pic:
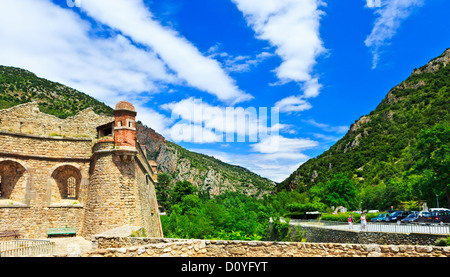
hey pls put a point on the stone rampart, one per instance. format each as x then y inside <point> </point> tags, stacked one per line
<point>34,171</point>
<point>321,234</point>
<point>58,173</point>
<point>27,118</point>
<point>147,247</point>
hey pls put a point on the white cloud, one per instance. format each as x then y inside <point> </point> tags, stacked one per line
<point>195,133</point>
<point>237,63</point>
<point>282,147</point>
<point>292,27</point>
<point>293,104</point>
<point>56,44</point>
<point>373,3</point>
<point>327,127</point>
<point>391,13</point>
<point>132,18</point>
<point>230,124</point>
<point>275,157</point>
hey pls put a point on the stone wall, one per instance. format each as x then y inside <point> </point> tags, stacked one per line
<point>148,205</point>
<point>30,167</point>
<point>146,247</point>
<point>321,234</point>
<point>27,118</point>
<point>54,173</point>
<point>121,191</point>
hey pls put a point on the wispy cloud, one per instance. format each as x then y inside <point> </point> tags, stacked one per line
<point>133,18</point>
<point>327,127</point>
<point>293,104</point>
<point>191,116</point>
<point>240,63</point>
<point>275,157</point>
<point>390,15</point>
<point>57,44</point>
<point>292,27</point>
<point>135,58</point>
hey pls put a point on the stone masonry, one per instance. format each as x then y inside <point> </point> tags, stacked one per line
<point>75,172</point>
<point>150,247</point>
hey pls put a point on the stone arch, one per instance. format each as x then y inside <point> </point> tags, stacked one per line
<point>65,183</point>
<point>15,181</point>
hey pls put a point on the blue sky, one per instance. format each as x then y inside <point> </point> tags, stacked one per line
<point>196,69</point>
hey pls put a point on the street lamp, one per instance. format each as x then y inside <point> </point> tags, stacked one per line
<point>437,200</point>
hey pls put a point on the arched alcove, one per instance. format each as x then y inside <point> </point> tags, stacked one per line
<point>66,181</point>
<point>13,181</point>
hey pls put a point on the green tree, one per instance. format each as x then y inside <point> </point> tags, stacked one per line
<point>297,209</point>
<point>340,191</point>
<point>433,148</point>
<point>181,189</point>
<point>162,189</point>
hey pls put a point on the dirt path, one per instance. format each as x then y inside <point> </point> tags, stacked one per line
<point>72,246</point>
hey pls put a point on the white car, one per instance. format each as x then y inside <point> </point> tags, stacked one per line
<point>432,210</point>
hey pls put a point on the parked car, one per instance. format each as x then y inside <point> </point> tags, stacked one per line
<point>438,217</point>
<point>424,214</point>
<point>380,217</point>
<point>396,216</point>
<point>413,217</point>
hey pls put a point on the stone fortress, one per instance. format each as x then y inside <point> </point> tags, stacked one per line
<point>86,172</point>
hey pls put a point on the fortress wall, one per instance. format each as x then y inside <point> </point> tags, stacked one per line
<point>120,192</point>
<point>27,119</point>
<point>150,247</point>
<point>108,192</point>
<point>148,205</point>
<point>34,171</point>
<point>52,174</point>
<point>40,146</point>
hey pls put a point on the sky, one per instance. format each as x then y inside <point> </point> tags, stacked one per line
<point>264,84</point>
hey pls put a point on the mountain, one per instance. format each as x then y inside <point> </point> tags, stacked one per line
<point>379,147</point>
<point>18,86</point>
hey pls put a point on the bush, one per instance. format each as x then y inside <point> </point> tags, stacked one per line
<point>343,217</point>
<point>442,242</point>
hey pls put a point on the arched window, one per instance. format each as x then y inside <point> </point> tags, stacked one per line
<point>71,188</point>
<point>66,180</point>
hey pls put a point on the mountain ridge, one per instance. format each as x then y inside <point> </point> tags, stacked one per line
<point>378,147</point>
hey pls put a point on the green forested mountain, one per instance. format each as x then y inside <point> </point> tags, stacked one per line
<point>18,86</point>
<point>379,155</point>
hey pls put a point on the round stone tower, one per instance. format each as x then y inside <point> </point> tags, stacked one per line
<point>125,125</point>
<point>121,188</point>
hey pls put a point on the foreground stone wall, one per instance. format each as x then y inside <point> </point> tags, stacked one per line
<point>147,247</point>
<point>321,234</point>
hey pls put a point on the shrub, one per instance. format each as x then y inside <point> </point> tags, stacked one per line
<point>442,242</point>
